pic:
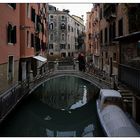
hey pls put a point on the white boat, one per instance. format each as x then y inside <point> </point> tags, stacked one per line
<point>113,119</point>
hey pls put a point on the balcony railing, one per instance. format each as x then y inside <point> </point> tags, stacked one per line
<point>130,76</point>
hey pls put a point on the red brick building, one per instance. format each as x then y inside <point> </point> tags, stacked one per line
<point>9,44</point>
<point>33,38</point>
<point>23,33</point>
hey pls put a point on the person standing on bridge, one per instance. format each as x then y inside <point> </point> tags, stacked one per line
<point>81,59</point>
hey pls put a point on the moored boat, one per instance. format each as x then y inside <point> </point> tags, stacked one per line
<point>112,117</point>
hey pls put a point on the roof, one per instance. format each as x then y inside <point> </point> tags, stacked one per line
<point>110,93</point>
<point>116,122</point>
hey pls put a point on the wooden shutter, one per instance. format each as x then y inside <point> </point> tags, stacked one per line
<point>14,36</point>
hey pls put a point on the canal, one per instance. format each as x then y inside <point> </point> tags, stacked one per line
<point>64,106</point>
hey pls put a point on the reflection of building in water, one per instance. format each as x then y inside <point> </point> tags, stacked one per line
<point>87,131</point>
<point>63,92</point>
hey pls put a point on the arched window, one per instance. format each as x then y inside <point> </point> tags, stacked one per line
<point>63,26</point>
<point>63,37</point>
<point>51,26</point>
<point>51,36</point>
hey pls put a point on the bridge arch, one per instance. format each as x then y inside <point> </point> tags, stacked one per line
<point>77,74</point>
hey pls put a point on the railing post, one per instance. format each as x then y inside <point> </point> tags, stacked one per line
<point>77,65</point>
<point>31,75</point>
<point>56,64</point>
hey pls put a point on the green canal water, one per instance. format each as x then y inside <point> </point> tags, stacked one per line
<point>61,107</point>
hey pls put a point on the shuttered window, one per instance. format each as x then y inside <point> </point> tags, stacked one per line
<point>33,14</point>
<point>32,40</point>
<point>11,34</point>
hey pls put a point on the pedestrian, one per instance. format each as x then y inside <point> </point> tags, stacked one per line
<point>81,59</point>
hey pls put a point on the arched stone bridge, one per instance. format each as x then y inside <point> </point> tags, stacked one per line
<point>12,97</point>
<point>58,73</point>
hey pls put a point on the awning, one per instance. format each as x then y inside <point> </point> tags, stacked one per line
<point>40,58</point>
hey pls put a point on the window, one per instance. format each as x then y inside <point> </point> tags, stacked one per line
<point>78,32</point>
<point>51,26</point>
<point>69,54</point>
<point>68,37</point>
<point>42,26</point>
<point>63,54</point>
<point>28,10</point>
<point>37,43</point>
<point>89,36</point>
<point>62,17</point>
<point>32,40</point>
<point>51,37</point>
<point>114,30</point>
<point>13,5</point>
<point>101,13</point>
<point>114,57</point>
<point>33,14</point>
<point>50,46</point>
<point>11,34</point>
<point>72,29</point>
<point>10,68</point>
<point>51,16</point>
<point>68,46</point>
<point>101,36</point>
<point>62,46</point>
<point>63,37</point>
<point>28,39</point>
<point>105,35</point>
<point>120,28</point>
<point>68,28</point>
<point>63,26</point>
<point>110,33</point>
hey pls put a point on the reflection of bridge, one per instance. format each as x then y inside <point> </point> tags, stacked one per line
<point>12,97</point>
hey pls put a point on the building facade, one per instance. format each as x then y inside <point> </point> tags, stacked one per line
<point>88,36</point>
<point>9,44</point>
<point>23,42</point>
<point>63,32</point>
<point>129,49</point>
<point>33,36</point>
<point>118,44</point>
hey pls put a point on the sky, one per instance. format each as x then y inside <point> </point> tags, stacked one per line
<point>77,9</point>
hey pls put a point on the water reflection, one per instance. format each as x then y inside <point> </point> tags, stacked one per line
<point>88,131</point>
<point>66,93</point>
<point>60,107</point>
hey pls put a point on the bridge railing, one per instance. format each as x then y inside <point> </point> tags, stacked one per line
<point>11,97</point>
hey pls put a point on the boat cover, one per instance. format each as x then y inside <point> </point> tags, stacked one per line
<point>116,122</point>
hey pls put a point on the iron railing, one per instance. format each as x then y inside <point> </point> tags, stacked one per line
<point>130,76</point>
<point>11,97</point>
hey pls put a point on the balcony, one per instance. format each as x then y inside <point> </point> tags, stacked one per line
<point>109,12</point>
